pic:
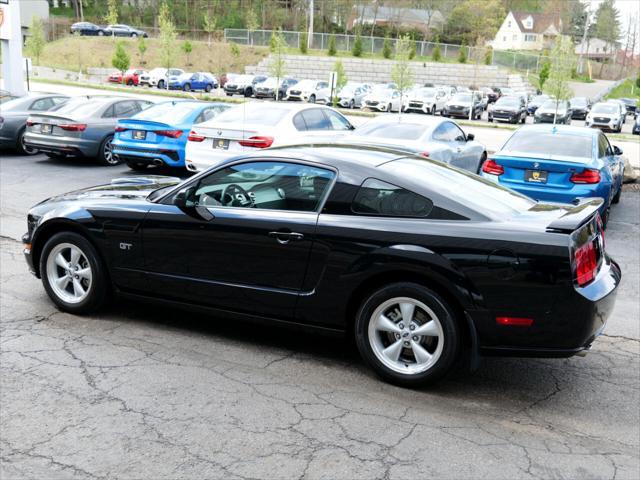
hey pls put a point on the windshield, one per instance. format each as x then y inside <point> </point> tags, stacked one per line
<point>305,84</point>
<point>578,102</point>
<point>551,105</point>
<point>170,113</point>
<point>263,114</point>
<point>461,186</point>
<point>268,83</point>
<point>540,99</point>
<point>605,108</point>
<point>508,102</point>
<point>462,97</point>
<point>399,131</point>
<point>579,147</point>
<point>426,92</point>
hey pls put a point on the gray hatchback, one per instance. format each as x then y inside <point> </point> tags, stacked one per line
<point>82,127</point>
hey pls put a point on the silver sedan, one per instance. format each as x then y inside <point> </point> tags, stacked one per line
<point>14,114</point>
<point>82,127</point>
<point>438,138</point>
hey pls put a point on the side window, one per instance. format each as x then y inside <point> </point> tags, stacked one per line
<point>125,109</point>
<point>109,112</point>
<point>603,146</point>
<point>60,100</point>
<point>143,104</point>
<point>322,85</point>
<point>298,122</point>
<point>42,105</point>
<point>338,122</point>
<point>459,135</point>
<point>376,197</point>
<point>209,113</point>
<point>315,119</point>
<point>265,185</point>
<point>447,132</point>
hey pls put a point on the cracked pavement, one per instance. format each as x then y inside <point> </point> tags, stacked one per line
<point>141,391</point>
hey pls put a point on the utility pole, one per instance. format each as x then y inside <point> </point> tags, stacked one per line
<point>81,11</point>
<point>584,40</point>
<point>310,34</point>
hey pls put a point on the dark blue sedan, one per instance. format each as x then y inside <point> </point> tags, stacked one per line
<point>563,164</point>
<point>158,135</point>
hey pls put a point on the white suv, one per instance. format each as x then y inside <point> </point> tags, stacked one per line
<point>158,76</point>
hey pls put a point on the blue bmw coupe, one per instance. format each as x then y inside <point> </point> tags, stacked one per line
<point>158,135</point>
<point>559,163</point>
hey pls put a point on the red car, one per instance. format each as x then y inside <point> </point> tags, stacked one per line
<point>131,77</point>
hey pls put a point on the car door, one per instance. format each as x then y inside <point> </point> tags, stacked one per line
<point>614,163</point>
<point>312,122</point>
<point>243,240</point>
<point>461,153</point>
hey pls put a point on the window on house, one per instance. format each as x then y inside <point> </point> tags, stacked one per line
<point>530,38</point>
<point>504,39</point>
<point>509,24</point>
<point>515,37</point>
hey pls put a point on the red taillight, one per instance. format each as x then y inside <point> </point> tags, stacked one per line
<point>121,129</point>
<point>424,154</point>
<point>586,261</point>
<point>73,127</point>
<point>30,123</point>
<point>514,321</point>
<point>588,175</point>
<point>257,142</point>
<point>194,137</point>
<point>490,166</point>
<point>170,133</point>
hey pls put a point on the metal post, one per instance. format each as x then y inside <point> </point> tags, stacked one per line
<point>310,37</point>
<point>422,48</point>
<point>445,50</point>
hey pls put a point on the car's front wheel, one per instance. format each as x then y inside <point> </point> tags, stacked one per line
<point>408,334</point>
<point>187,87</point>
<point>73,275</point>
<point>161,84</point>
<point>105,155</point>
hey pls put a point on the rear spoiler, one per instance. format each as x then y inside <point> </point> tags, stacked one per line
<point>576,216</point>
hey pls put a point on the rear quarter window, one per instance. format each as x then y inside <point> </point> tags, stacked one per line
<point>375,197</point>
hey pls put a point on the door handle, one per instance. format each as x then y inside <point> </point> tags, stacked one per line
<point>286,237</point>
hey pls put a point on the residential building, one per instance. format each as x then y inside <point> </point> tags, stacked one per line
<point>407,18</point>
<point>596,49</point>
<point>527,31</point>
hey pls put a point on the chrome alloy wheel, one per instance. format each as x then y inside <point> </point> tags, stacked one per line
<point>109,157</point>
<point>69,273</point>
<point>406,335</point>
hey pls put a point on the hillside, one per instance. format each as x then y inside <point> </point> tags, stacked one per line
<point>74,53</point>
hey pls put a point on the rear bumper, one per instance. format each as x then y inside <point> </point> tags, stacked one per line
<point>64,145</point>
<point>169,157</point>
<point>577,318</point>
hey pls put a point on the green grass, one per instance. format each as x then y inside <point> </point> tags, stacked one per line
<point>626,89</point>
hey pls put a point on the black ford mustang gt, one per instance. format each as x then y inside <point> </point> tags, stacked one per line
<point>421,261</point>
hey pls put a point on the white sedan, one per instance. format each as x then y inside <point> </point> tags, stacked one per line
<point>383,100</point>
<point>252,126</point>
<point>312,91</point>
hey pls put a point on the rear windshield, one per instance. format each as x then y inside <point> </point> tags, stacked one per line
<point>548,143</point>
<point>400,131</point>
<point>78,111</point>
<point>262,114</point>
<point>169,113</point>
<point>466,188</point>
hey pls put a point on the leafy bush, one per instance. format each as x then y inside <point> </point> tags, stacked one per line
<point>488,56</point>
<point>462,54</point>
<point>412,50</point>
<point>356,51</point>
<point>121,59</point>
<point>436,56</point>
<point>332,46</point>
<point>235,49</point>
<point>303,43</point>
<point>387,51</point>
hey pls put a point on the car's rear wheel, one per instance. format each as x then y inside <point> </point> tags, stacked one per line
<point>105,155</point>
<point>408,334</point>
<point>207,88</point>
<point>21,147</point>
<point>352,104</point>
<point>73,275</point>
<point>101,33</point>
<point>248,92</point>
<point>312,99</point>
<point>187,87</point>
<point>616,197</point>
<point>389,107</point>
<point>130,83</point>
<point>134,35</point>
<point>161,84</point>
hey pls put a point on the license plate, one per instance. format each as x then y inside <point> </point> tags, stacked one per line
<point>536,176</point>
<point>46,129</point>
<point>221,144</point>
<point>139,134</point>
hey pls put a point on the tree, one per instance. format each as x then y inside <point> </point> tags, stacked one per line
<point>401,73</point>
<point>471,19</point>
<point>638,82</point>
<point>563,61</point>
<point>607,24</point>
<point>35,41</point>
<point>168,37</point>
<point>544,73</point>
<point>412,49</point>
<point>273,42</point>
<point>277,65</point>
<point>462,54</point>
<point>341,80</point>
<point>357,46</point>
<point>387,51</point>
<point>251,23</point>
<point>112,13</point>
<point>488,56</point>
<point>302,43</point>
<point>187,48</point>
<point>436,55</point>
<point>142,48</point>
<point>121,59</point>
<point>332,46</point>
<point>209,24</point>
<point>235,49</point>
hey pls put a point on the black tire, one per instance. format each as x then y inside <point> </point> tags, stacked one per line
<point>23,149</point>
<point>187,87</point>
<point>161,84</point>
<point>312,99</point>
<point>105,154</point>
<point>98,290</point>
<point>134,35</point>
<point>138,167</point>
<point>130,83</point>
<point>100,33</point>
<point>248,92</point>
<point>389,107</point>
<point>208,88</point>
<point>616,197</point>
<point>229,94</point>
<point>352,104</point>
<point>523,119</point>
<point>490,119</point>
<point>451,337</point>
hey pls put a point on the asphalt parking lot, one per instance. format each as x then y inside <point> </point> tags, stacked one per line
<point>146,392</point>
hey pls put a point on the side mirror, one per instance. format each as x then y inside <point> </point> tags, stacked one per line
<point>617,150</point>
<point>185,198</point>
<point>470,137</point>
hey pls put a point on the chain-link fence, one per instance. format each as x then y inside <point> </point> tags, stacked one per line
<point>374,45</point>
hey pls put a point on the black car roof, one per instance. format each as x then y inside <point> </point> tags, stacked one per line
<point>335,155</point>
